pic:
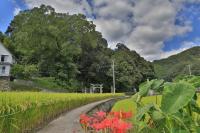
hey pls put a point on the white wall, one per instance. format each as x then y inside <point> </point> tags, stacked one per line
<point>8,61</point>
<point>4,51</point>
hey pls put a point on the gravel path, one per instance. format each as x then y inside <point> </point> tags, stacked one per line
<point>69,122</point>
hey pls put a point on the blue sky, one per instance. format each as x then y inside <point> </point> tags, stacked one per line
<point>154,28</point>
<point>190,13</point>
<point>7,10</point>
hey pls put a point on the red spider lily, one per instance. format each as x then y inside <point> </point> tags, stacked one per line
<point>115,114</point>
<point>121,126</point>
<point>101,114</point>
<point>126,115</point>
<point>84,119</point>
<point>98,126</point>
<point>114,122</point>
<point>94,120</point>
<point>107,122</point>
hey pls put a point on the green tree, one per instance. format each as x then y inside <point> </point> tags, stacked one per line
<point>131,69</point>
<point>1,36</point>
<point>68,48</point>
<point>58,43</point>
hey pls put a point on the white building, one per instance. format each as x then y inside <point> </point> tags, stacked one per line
<point>6,60</point>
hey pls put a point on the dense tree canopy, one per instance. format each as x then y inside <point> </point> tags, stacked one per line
<point>69,48</point>
<point>131,69</point>
<point>1,36</point>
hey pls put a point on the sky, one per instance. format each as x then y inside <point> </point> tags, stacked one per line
<point>155,29</point>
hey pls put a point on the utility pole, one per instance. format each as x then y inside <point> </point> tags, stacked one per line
<point>113,68</point>
<point>189,68</point>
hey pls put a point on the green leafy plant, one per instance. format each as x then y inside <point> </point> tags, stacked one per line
<point>177,113</point>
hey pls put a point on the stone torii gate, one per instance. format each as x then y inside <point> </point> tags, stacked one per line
<point>93,88</point>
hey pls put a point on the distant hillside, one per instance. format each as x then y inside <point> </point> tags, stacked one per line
<point>179,64</point>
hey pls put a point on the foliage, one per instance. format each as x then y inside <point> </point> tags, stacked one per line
<point>47,83</point>
<point>176,96</point>
<point>30,71</point>
<point>194,80</point>
<point>52,41</point>
<point>155,85</point>
<point>114,122</point>
<point>24,71</point>
<point>125,105</point>
<point>131,69</point>
<point>68,48</point>
<point>2,36</point>
<point>21,112</point>
<point>130,105</point>
<point>177,65</point>
<point>17,71</point>
<point>177,112</point>
<point>17,86</point>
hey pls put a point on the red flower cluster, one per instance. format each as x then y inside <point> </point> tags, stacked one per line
<point>114,122</point>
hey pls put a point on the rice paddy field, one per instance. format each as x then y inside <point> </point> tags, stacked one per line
<point>24,111</point>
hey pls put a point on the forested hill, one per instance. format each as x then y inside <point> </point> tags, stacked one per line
<point>69,49</point>
<point>179,64</point>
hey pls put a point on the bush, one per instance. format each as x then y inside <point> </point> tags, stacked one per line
<point>47,83</point>
<point>24,71</point>
<point>17,71</point>
<point>30,71</point>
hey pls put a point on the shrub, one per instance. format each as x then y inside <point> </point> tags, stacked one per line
<point>24,71</point>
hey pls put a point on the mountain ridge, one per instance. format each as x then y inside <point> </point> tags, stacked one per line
<point>177,64</point>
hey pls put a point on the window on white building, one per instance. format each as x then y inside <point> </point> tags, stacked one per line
<point>3,71</point>
<point>3,58</point>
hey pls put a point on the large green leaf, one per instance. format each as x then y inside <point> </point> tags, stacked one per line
<point>142,111</point>
<point>176,96</point>
<point>157,84</point>
<point>145,87</point>
<point>157,115</point>
<point>150,85</point>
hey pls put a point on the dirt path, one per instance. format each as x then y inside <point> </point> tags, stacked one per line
<point>69,122</point>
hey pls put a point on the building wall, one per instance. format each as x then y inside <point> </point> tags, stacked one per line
<point>4,51</point>
<point>8,60</point>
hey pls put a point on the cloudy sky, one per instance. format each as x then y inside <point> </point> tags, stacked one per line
<point>154,28</point>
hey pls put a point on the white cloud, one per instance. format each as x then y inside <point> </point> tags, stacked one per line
<point>62,6</point>
<point>143,25</point>
<point>155,21</point>
<point>16,11</point>
<point>115,28</point>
